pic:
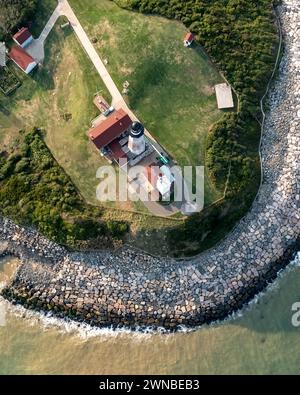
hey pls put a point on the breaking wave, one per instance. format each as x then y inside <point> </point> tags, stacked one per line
<point>48,321</point>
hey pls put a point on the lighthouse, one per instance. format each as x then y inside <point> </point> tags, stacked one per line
<point>136,140</point>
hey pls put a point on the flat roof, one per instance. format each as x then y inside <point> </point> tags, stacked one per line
<point>167,172</point>
<point>100,103</point>
<point>224,96</point>
<point>111,128</point>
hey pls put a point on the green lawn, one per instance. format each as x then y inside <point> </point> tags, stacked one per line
<point>176,108</point>
<point>170,90</point>
<point>171,87</point>
<point>65,84</point>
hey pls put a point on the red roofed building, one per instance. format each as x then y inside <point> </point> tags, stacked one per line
<point>22,59</point>
<point>23,37</point>
<point>116,150</point>
<point>110,129</point>
<point>188,39</point>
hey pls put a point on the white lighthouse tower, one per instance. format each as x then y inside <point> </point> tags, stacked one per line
<point>136,141</point>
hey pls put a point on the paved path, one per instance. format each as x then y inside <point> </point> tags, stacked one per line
<point>50,24</point>
<point>36,49</point>
<point>118,101</point>
<point>131,288</point>
<point>65,9</point>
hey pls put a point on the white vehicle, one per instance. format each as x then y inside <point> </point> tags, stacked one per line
<point>109,111</point>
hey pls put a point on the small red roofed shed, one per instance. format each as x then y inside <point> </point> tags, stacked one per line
<point>23,37</point>
<point>188,39</point>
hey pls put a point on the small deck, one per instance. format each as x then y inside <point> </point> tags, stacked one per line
<point>101,103</point>
<point>224,96</point>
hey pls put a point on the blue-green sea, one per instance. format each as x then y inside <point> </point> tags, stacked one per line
<point>258,340</point>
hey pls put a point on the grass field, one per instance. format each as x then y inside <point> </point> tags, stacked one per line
<point>176,108</point>
<point>171,87</point>
<point>170,90</point>
<point>64,85</point>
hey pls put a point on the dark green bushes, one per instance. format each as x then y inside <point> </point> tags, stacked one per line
<point>241,38</point>
<point>15,13</point>
<point>34,190</point>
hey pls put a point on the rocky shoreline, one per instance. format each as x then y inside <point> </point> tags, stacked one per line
<point>132,289</point>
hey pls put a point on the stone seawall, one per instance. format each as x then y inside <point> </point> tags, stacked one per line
<point>134,289</point>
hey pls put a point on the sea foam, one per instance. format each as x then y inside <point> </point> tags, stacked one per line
<point>84,331</point>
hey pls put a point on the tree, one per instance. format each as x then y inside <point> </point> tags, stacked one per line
<point>14,13</point>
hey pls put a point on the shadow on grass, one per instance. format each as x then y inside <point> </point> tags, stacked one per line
<point>4,109</point>
<point>148,75</point>
<point>44,11</point>
<point>43,75</point>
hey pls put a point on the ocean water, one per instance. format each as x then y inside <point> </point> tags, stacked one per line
<point>260,339</point>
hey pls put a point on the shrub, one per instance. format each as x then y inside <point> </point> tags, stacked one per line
<point>15,13</point>
<point>35,190</point>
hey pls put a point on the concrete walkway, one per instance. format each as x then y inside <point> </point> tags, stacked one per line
<point>65,9</point>
<point>36,49</point>
<point>118,101</point>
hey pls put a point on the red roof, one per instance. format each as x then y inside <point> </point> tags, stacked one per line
<point>21,57</point>
<point>22,35</point>
<point>116,150</point>
<point>152,173</point>
<point>189,37</point>
<point>108,130</point>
